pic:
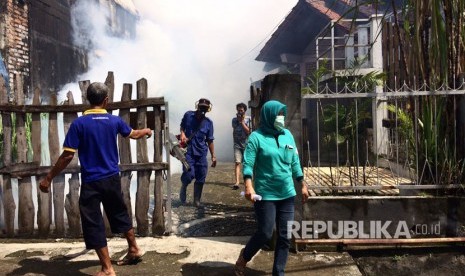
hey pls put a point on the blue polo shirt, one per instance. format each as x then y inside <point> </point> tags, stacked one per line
<point>94,137</point>
<point>202,130</point>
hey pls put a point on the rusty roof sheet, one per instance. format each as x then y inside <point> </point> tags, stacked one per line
<point>307,19</point>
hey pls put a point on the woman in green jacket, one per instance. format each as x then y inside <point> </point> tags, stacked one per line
<point>271,158</point>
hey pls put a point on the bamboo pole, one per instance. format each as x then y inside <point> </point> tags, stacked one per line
<point>25,203</point>
<point>143,177</point>
<point>8,200</point>
<point>125,151</point>
<point>72,198</point>
<point>158,222</point>
<point>59,180</point>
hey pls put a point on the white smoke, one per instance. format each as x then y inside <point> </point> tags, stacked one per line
<point>186,50</point>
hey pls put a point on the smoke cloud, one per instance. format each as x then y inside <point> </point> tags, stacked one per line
<point>186,50</point>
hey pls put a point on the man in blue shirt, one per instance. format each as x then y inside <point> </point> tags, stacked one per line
<point>197,132</point>
<point>241,130</point>
<point>94,136</point>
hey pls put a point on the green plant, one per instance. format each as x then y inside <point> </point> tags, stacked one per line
<point>28,127</point>
<point>313,80</point>
<point>430,145</point>
<point>14,146</point>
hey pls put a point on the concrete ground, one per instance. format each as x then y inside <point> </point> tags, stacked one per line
<point>171,255</point>
<point>204,241</point>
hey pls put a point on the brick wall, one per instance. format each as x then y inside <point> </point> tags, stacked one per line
<point>14,41</point>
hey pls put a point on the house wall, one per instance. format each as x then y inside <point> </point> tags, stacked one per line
<point>14,38</point>
<point>55,60</point>
<point>36,41</point>
<point>122,21</point>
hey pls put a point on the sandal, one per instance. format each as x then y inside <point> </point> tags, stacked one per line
<point>235,187</point>
<point>130,260</point>
<point>239,267</point>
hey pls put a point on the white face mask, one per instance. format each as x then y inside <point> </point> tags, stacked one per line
<point>279,122</point>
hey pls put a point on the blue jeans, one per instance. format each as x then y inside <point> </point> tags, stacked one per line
<point>267,213</point>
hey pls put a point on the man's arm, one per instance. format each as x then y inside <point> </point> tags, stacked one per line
<point>62,162</point>
<point>139,133</point>
<point>211,147</point>
<point>245,126</point>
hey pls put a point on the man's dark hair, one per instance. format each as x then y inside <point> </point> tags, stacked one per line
<point>243,105</point>
<point>96,93</point>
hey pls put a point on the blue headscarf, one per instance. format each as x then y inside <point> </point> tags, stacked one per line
<point>268,115</point>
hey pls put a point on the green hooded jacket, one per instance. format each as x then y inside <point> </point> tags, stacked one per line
<point>271,156</point>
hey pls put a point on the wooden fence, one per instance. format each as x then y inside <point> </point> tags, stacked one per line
<point>16,164</point>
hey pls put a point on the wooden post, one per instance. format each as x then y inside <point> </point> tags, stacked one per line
<point>125,151</point>
<point>26,205</point>
<point>72,198</point>
<point>59,180</point>
<point>83,86</point>
<point>143,177</point>
<point>8,200</point>
<point>110,83</point>
<point>158,222</point>
<point>43,199</point>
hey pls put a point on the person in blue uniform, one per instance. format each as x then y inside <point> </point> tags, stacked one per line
<point>94,137</point>
<point>197,132</point>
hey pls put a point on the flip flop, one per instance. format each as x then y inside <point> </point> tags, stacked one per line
<point>235,187</point>
<point>130,260</point>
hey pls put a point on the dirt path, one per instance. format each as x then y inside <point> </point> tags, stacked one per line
<point>208,241</point>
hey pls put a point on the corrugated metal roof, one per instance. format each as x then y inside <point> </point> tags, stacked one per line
<point>307,19</point>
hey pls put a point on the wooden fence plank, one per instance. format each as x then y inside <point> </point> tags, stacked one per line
<point>83,86</point>
<point>43,199</point>
<point>59,180</point>
<point>25,203</point>
<point>158,222</point>
<point>125,151</point>
<point>24,169</point>
<point>80,107</point>
<point>110,83</point>
<point>36,129</point>
<point>143,177</point>
<point>31,169</point>
<point>72,198</point>
<point>8,200</point>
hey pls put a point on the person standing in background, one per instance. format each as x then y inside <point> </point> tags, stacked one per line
<point>272,160</point>
<point>241,130</point>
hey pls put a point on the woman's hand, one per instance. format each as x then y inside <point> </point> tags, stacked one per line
<point>305,194</point>
<point>249,190</point>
